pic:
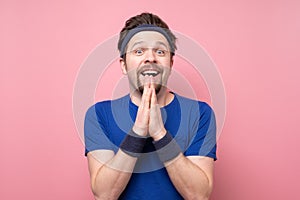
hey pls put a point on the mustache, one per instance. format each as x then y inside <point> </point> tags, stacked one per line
<point>149,67</point>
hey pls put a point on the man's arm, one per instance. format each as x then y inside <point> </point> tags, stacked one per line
<point>109,173</point>
<point>192,176</point>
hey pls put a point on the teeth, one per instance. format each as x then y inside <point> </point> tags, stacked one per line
<point>150,73</point>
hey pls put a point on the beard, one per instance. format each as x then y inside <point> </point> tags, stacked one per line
<point>138,78</point>
<point>141,80</point>
<point>157,89</point>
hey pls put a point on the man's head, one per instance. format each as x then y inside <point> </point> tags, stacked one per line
<point>147,47</point>
<point>145,19</point>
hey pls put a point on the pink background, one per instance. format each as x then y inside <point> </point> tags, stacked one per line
<point>255,45</point>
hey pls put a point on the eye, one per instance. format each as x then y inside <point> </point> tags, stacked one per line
<point>138,52</point>
<point>160,52</point>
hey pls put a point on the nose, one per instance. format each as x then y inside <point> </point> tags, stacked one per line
<point>150,56</point>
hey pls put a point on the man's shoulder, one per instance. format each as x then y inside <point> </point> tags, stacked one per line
<point>108,104</point>
<point>189,102</point>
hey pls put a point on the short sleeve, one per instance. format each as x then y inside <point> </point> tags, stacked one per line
<point>95,131</point>
<point>204,141</point>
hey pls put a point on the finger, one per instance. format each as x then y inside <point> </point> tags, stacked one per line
<point>145,93</point>
<point>146,102</point>
<point>142,118</point>
<point>147,98</point>
<point>153,96</point>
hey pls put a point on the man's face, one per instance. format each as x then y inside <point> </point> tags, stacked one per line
<point>148,59</point>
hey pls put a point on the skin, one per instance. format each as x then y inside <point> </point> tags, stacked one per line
<point>193,175</point>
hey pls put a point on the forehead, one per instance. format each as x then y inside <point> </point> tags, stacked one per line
<point>148,37</point>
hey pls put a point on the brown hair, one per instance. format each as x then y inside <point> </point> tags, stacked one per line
<point>145,18</point>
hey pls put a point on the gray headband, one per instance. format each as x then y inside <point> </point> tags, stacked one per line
<point>145,27</point>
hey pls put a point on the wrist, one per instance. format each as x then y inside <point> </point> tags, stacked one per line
<point>167,148</point>
<point>159,135</point>
<point>133,144</point>
<point>139,131</point>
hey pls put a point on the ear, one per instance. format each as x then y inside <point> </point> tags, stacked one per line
<point>171,63</point>
<point>123,66</point>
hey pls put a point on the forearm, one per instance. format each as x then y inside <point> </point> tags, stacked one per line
<point>189,179</point>
<point>112,178</point>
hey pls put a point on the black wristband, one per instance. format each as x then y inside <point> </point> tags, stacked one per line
<point>133,144</point>
<point>167,148</point>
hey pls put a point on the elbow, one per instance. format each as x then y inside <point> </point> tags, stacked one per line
<point>97,197</point>
<point>206,195</point>
<point>105,195</point>
<point>95,192</point>
<point>102,198</point>
<point>204,198</point>
<point>196,197</point>
<point>199,194</point>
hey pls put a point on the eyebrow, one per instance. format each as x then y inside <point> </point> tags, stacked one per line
<point>140,42</point>
<point>163,44</point>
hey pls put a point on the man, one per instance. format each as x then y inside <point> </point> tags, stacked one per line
<point>152,143</point>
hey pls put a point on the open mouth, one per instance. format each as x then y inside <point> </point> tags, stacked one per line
<point>152,73</point>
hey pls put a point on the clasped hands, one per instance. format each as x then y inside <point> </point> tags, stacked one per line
<point>148,119</point>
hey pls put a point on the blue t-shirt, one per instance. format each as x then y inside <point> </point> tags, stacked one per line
<point>191,123</point>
